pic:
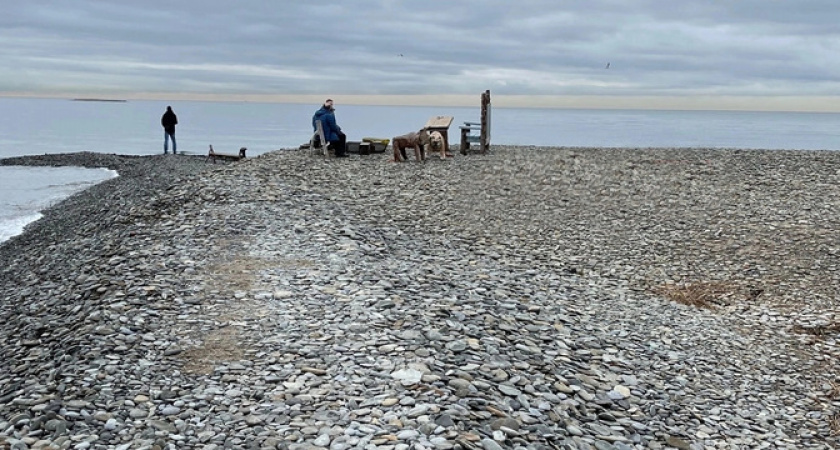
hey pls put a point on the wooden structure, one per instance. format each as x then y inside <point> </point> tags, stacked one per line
<point>440,124</point>
<point>212,155</point>
<point>478,132</point>
<point>320,144</point>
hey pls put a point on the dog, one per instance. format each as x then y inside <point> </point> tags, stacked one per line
<point>438,144</point>
<point>416,140</point>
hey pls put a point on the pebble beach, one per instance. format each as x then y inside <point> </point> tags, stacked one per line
<point>528,298</point>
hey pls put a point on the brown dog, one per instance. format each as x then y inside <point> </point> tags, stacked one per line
<point>437,144</point>
<point>416,140</point>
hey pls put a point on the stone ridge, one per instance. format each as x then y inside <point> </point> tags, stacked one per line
<point>528,298</point>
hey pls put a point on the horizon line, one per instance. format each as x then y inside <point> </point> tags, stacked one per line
<point>816,104</point>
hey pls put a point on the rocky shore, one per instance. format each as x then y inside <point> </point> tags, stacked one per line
<point>530,298</point>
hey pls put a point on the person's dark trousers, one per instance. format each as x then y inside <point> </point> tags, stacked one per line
<point>166,137</point>
<point>340,146</point>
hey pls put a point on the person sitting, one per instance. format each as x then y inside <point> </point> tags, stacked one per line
<point>332,132</point>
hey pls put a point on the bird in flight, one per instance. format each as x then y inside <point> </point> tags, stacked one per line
<point>608,66</point>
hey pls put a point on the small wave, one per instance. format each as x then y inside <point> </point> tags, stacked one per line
<point>73,186</point>
<point>14,226</point>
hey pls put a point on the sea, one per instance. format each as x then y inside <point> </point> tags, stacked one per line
<point>46,126</point>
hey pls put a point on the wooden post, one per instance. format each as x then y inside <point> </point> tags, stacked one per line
<point>485,121</point>
<point>464,143</point>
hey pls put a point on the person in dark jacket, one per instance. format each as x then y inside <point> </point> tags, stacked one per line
<point>332,132</point>
<point>169,120</point>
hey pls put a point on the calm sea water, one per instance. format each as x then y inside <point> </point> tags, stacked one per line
<point>39,126</point>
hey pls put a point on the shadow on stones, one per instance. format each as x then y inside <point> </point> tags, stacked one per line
<point>220,346</point>
<point>820,330</point>
<point>709,294</point>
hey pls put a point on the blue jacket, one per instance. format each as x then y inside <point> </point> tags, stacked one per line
<point>327,118</point>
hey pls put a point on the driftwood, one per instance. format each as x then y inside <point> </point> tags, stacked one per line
<point>213,155</point>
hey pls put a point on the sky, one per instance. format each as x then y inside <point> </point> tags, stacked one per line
<point>744,54</point>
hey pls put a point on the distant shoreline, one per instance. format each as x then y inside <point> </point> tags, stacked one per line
<point>810,104</point>
<point>99,100</point>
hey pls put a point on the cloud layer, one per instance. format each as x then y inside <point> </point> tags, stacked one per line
<point>370,47</point>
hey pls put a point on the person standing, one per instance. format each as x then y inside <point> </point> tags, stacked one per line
<point>168,121</point>
<point>332,132</point>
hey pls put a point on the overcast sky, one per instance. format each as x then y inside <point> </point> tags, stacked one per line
<point>765,48</point>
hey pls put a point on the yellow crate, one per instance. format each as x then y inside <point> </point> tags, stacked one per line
<point>376,141</point>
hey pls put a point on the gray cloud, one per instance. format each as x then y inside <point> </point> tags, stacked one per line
<point>528,47</point>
